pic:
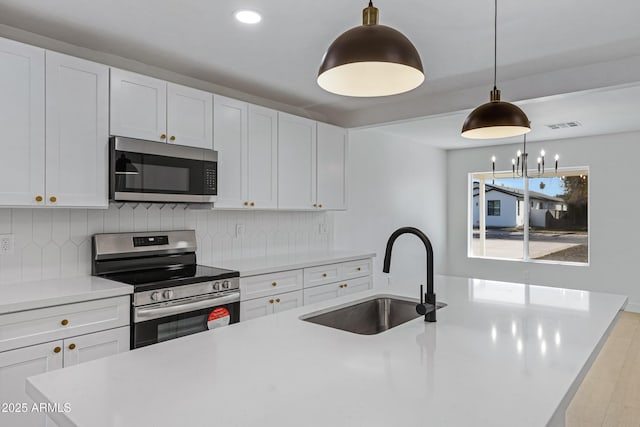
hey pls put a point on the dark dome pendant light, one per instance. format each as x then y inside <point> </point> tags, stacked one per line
<point>496,118</point>
<point>370,60</point>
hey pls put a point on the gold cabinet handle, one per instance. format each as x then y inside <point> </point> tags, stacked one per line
<point>358,269</point>
<point>64,322</point>
<point>252,204</point>
<point>315,205</point>
<point>246,203</point>
<point>271,301</point>
<point>53,199</point>
<point>72,346</point>
<point>274,284</point>
<point>277,299</point>
<point>345,285</point>
<point>163,136</point>
<point>173,138</point>
<point>57,350</point>
<point>324,274</point>
<point>39,198</point>
<point>320,205</point>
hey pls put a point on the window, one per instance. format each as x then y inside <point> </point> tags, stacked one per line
<point>542,218</point>
<point>493,208</point>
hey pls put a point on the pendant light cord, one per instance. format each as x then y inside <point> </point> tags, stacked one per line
<point>495,43</point>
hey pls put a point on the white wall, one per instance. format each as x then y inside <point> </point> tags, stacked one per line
<point>508,210</point>
<point>394,183</point>
<point>52,243</point>
<point>614,216</point>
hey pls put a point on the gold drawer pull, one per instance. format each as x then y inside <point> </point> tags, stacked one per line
<point>277,299</point>
<point>246,203</point>
<point>64,322</point>
<point>324,274</point>
<point>315,205</point>
<point>271,301</point>
<point>358,269</point>
<point>252,204</point>
<point>53,199</point>
<point>57,350</point>
<point>39,198</point>
<point>320,205</point>
<point>345,285</point>
<point>72,346</point>
<point>173,138</point>
<point>163,136</point>
<point>274,284</point>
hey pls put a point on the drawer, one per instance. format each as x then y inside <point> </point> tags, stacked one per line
<point>356,285</point>
<point>315,276</point>
<point>261,307</point>
<point>270,284</point>
<point>351,269</point>
<point>322,293</point>
<point>52,323</point>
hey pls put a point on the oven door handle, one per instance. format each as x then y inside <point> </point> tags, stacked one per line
<point>148,313</point>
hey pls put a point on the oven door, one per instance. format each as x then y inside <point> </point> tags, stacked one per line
<point>159,172</point>
<point>161,322</point>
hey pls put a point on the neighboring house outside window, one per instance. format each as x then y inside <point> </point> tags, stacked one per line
<point>493,208</point>
<point>552,226</point>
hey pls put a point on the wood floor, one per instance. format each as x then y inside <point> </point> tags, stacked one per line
<point>610,394</point>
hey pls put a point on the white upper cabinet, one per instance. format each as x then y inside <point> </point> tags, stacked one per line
<point>138,106</point>
<point>262,158</point>
<point>332,167</point>
<point>296,162</point>
<point>22,122</point>
<point>152,109</point>
<point>77,132</point>
<point>230,140</point>
<point>189,116</point>
<point>246,138</point>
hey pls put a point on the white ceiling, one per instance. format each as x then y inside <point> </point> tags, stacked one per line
<point>545,47</point>
<point>599,112</point>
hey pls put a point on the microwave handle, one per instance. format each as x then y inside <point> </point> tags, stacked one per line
<point>148,313</point>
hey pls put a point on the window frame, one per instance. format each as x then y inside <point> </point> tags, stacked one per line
<point>489,176</point>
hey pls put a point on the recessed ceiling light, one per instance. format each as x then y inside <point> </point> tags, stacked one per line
<point>248,16</point>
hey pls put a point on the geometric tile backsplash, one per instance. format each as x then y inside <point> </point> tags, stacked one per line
<point>52,243</point>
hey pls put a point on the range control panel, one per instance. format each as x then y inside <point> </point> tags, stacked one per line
<point>150,241</point>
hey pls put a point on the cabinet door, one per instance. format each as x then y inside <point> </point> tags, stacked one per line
<point>77,131</point>
<point>22,124</point>
<point>138,106</point>
<point>287,301</point>
<point>15,367</point>
<point>321,293</point>
<point>255,308</point>
<point>332,167</point>
<point>189,116</point>
<point>356,285</point>
<point>269,284</point>
<point>230,140</point>
<point>321,274</point>
<point>296,162</point>
<point>94,346</point>
<point>262,158</point>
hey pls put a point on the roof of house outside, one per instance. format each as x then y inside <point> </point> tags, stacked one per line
<point>516,192</point>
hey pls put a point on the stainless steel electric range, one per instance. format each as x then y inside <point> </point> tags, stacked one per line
<point>173,295</point>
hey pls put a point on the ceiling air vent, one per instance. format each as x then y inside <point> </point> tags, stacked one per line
<point>564,125</point>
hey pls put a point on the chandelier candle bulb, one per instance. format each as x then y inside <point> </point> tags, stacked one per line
<point>513,166</point>
<point>557,158</point>
<point>539,162</point>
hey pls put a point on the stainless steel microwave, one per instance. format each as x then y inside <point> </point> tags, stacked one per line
<point>148,171</point>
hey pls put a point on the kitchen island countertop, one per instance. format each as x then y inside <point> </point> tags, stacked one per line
<point>500,354</point>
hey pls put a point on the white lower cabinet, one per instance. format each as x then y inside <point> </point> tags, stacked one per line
<point>260,307</point>
<point>36,341</point>
<point>270,293</point>
<point>15,367</point>
<point>94,346</point>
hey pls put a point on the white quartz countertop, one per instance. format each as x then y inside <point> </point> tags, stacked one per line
<point>500,354</point>
<point>264,265</point>
<point>46,293</point>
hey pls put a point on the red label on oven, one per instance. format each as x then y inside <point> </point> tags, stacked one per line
<point>218,317</point>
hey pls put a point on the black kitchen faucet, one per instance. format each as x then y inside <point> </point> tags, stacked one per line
<point>428,306</point>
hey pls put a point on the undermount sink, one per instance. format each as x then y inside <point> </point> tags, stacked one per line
<point>369,317</point>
